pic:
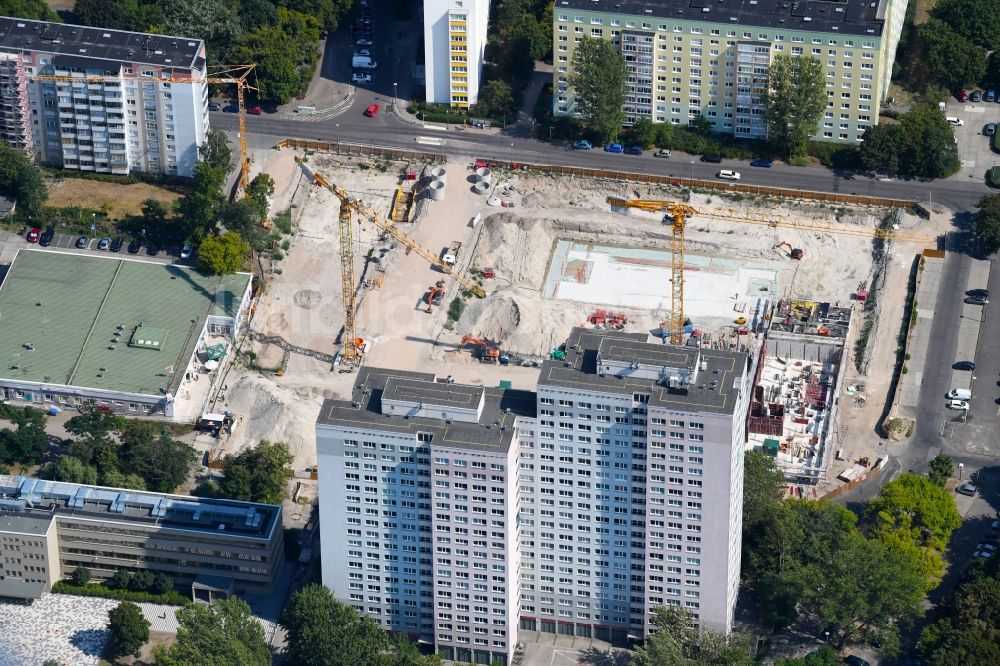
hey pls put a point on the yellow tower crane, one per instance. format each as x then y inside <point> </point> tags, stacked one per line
<point>679,213</point>
<point>235,74</point>
<point>348,204</point>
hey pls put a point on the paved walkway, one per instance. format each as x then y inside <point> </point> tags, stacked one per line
<point>68,629</point>
<point>928,285</point>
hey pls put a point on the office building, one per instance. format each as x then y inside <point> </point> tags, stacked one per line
<point>691,58</point>
<point>129,120</point>
<point>461,514</point>
<point>131,336</point>
<point>49,528</point>
<point>454,44</point>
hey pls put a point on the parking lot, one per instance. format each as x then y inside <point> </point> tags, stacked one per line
<point>973,146</point>
<point>11,242</point>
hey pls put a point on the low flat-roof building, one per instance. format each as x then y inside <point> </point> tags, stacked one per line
<point>49,528</point>
<point>122,333</point>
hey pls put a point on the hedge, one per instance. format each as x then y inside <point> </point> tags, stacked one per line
<point>100,590</point>
<point>993,177</point>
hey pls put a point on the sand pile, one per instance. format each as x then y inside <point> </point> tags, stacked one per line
<point>276,413</point>
<point>516,247</point>
<point>493,318</point>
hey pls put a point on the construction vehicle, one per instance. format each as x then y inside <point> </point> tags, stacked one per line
<point>489,352</point>
<point>348,204</point>
<point>677,214</point>
<point>793,252</point>
<point>608,319</point>
<point>235,74</point>
<point>450,254</point>
<point>434,296</point>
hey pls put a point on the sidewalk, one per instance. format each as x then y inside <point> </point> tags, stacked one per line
<point>928,285</point>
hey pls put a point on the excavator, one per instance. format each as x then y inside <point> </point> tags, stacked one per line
<point>489,352</point>
<point>793,252</point>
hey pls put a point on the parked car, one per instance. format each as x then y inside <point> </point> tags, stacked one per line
<point>634,150</point>
<point>855,660</point>
<point>976,300</point>
<point>582,144</point>
<point>961,96</point>
<point>362,52</point>
<point>361,78</point>
<point>989,129</point>
<point>961,405</point>
<point>976,96</point>
<point>364,41</point>
<point>614,148</point>
<point>214,106</point>
<point>991,95</point>
<point>152,249</point>
<point>186,251</point>
<point>135,246</point>
<point>116,244</point>
<point>232,107</point>
<point>255,110</point>
<point>964,365</point>
<point>82,242</point>
<point>985,293</point>
<point>955,120</point>
<point>104,245</point>
<point>714,159</point>
<point>987,546</point>
<point>966,489</point>
<point>372,110</point>
<point>46,238</point>
<point>34,235</point>
<point>728,174</point>
<point>767,164</point>
<point>662,153</point>
<point>984,554</point>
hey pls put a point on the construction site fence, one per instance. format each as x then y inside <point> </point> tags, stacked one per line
<point>358,150</point>
<point>698,183</point>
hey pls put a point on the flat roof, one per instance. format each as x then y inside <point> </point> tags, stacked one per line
<point>41,500</point>
<point>106,322</point>
<point>413,389</point>
<point>493,432</point>
<point>849,17</point>
<point>713,389</point>
<point>86,43</point>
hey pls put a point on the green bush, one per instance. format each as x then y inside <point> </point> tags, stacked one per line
<point>455,308</point>
<point>99,590</point>
<point>835,155</point>
<point>993,177</point>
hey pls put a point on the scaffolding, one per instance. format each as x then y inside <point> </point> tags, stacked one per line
<point>15,110</point>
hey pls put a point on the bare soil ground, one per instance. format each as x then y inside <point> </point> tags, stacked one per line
<point>61,5</point>
<point>121,200</point>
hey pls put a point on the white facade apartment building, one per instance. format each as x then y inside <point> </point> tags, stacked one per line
<point>628,496</point>
<point>132,120</point>
<point>454,44</point>
<point>419,522</point>
<point>691,58</point>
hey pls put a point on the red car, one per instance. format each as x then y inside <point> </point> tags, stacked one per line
<point>255,110</point>
<point>34,235</point>
<point>372,111</point>
<point>961,96</point>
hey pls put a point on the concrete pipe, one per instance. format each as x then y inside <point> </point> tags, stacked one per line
<point>481,187</point>
<point>484,173</point>
<point>438,173</point>
<point>436,188</point>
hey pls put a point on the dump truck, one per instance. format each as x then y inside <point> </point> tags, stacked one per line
<point>450,254</point>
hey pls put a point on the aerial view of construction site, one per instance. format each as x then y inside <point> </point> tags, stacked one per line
<point>477,272</point>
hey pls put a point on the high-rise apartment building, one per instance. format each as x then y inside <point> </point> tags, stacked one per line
<point>691,58</point>
<point>454,43</point>
<point>460,514</point>
<point>129,120</point>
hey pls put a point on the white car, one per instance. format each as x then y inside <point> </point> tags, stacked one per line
<point>729,174</point>
<point>186,251</point>
<point>982,553</point>
<point>362,52</point>
<point>361,78</point>
<point>958,404</point>
<point>364,41</point>
<point>956,121</point>
<point>986,547</point>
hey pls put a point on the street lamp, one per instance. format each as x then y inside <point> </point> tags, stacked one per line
<point>692,175</point>
<point>961,467</point>
<point>337,125</point>
<point>510,158</point>
<point>827,636</point>
<point>395,95</point>
<point>550,133</point>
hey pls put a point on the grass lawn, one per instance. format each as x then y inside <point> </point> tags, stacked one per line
<point>923,11</point>
<point>121,200</point>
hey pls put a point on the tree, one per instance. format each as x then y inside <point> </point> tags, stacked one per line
<point>216,150</point>
<point>285,53</point>
<point>258,474</point>
<point>976,21</point>
<point>795,99</point>
<point>322,631</point>
<point>121,579</point>
<point>80,576</point>
<point>878,150</point>
<point>952,60</point>
<point>19,176</point>
<point>115,479</point>
<point>162,583</point>
<point>763,487</point>
<point>986,223</point>
<point>36,10</point>
<point>221,255</point>
<point>260,190</point>
<point>73,470</point>
<point>495,99</point>
<point>118,14</point>
<point>28,443</point>
<point>200,208</point>
<point>328,12</point>
<point>141,580</point>
<point>823,656</point>
<point>677,642</point>
<point>95,446</point>
<point>128,628</point>
<point>643,132</point>
<point>992,77</point>
<point>153,212</point>
<point>940,469</point>
<point>912,505</point>
<point>967,628</point>
<point>147,450</point>
<point>599,79</point>
<point>664,135</point>
<point>223,634</point>
<point>925,143</point>
<point>246,217</point>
